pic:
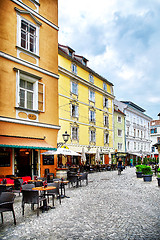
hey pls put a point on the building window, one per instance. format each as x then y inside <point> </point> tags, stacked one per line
<point>134,132</point>
<point>26,94</point>
<point>104,86</point>
<point>119,146</point>
<point>74,68</point>
<point>138,133</point>
<point>106,138</point>
<point>127,131</point>
<point>158,139</point>
<point>74,133</point>
<point>154,130</point>
<point>153,149</point>
<point>141,134</point>
<point>91,78</point>
<point>91,96</point>
<point>106,120</point>
<point>105,102</point>
<point>134,145</point>
<point>74,110</point>
<point>119,133</point>
<point>74,88</point>
<point>128,145</point>
<point>92,116</point>
<point>28,36</point>
<point>119,119</point>
<point>30,92</point>
<point>92,136</point>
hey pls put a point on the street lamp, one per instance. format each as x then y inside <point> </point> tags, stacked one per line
<point>65,139</point>
<point>65,136</point>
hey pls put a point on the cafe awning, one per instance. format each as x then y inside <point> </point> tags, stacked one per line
<point>24,142</point>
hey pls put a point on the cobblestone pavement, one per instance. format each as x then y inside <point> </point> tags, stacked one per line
<point>111,207</point>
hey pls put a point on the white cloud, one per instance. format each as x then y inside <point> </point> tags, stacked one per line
<point>120,38</point>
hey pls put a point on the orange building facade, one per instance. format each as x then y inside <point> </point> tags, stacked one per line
<point>29,118</point>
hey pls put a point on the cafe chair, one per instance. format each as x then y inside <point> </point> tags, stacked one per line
<point>17,186</point>
<point>83,177</point>
<point>73,180</point>
<point>28,186</point>
<point>6,204</point>
<point>54,193</point>
<point>32,197</point>
<point>3,188</point>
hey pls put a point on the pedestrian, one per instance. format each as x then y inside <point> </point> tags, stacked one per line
<point>131,162</point>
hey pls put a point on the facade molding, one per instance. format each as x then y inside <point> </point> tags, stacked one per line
<point>83,81</point>
<point>86,124</point>
<point>34,124</point>
<point>29,65</point>
<point>98,109</point>
<point>19,3</point>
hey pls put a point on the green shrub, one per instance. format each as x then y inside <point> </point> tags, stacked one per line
<point>139,168</point>
<point>158,170</point>
<point>146,170</point>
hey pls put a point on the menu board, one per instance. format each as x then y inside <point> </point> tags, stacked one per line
<point>48,159</point>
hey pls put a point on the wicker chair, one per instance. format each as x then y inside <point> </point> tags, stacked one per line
<point>54,192</point>
<point>6,204</point>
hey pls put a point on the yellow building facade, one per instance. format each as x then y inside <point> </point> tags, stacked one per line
<point>85,107</point>
<point>29,120</point>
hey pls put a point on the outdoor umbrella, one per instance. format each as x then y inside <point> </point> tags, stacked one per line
<point>83,158</point>
<point>97,157</point>
<point>62,151</point>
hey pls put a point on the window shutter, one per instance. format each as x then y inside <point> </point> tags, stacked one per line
<point>41,97</point>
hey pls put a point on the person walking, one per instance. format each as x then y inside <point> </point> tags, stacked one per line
<point>120,166</point>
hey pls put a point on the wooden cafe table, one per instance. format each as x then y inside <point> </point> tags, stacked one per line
<point>44,189</point>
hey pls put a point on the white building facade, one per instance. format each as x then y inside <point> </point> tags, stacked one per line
<point>137,131</point>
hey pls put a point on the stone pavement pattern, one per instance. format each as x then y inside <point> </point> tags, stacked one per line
<point>111,207</point>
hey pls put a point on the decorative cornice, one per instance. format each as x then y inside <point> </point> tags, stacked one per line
<point>26,122</point>
<point>28,13</point>
<point>27,64</point>
<point>36,14</point>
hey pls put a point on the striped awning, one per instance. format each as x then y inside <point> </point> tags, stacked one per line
<point>26,143</point>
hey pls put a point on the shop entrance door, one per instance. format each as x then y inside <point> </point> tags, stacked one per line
<point>23,162</point>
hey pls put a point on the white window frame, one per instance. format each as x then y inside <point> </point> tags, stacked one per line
<point>106,120</point>
<point>106,137</point>
<point>92,116</point>
<point>105,102</point>
<point>19,19</point>
<point>92,136</point>
<point>27,77</point>
<point>74,136</point>
<point>104,86</point>
<point>74,87</point>
<point>119,132</point>
<point>91,96</point>
<point>120,145</point>
<point>91,78</point>
<point>74,68</point>
<point>74,113</point>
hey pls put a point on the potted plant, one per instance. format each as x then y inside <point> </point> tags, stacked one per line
<point>147,173</point>
<point>158,177</point>
<point>139,170</point>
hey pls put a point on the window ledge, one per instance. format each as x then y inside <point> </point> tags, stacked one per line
<point>27,109</point>
<point>27,51</point>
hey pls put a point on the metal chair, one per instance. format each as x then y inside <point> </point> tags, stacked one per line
<point>17,186</point>
<point>32,197</point>
<point>6,204</point>
<point>54,192</point>
<point>84,176</point>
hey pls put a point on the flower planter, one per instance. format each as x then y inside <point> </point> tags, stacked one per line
<point>147,178</point>
<point>139,174</point>
<point>158,179</point>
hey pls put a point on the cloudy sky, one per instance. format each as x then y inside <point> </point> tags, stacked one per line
<point>121,40</point>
